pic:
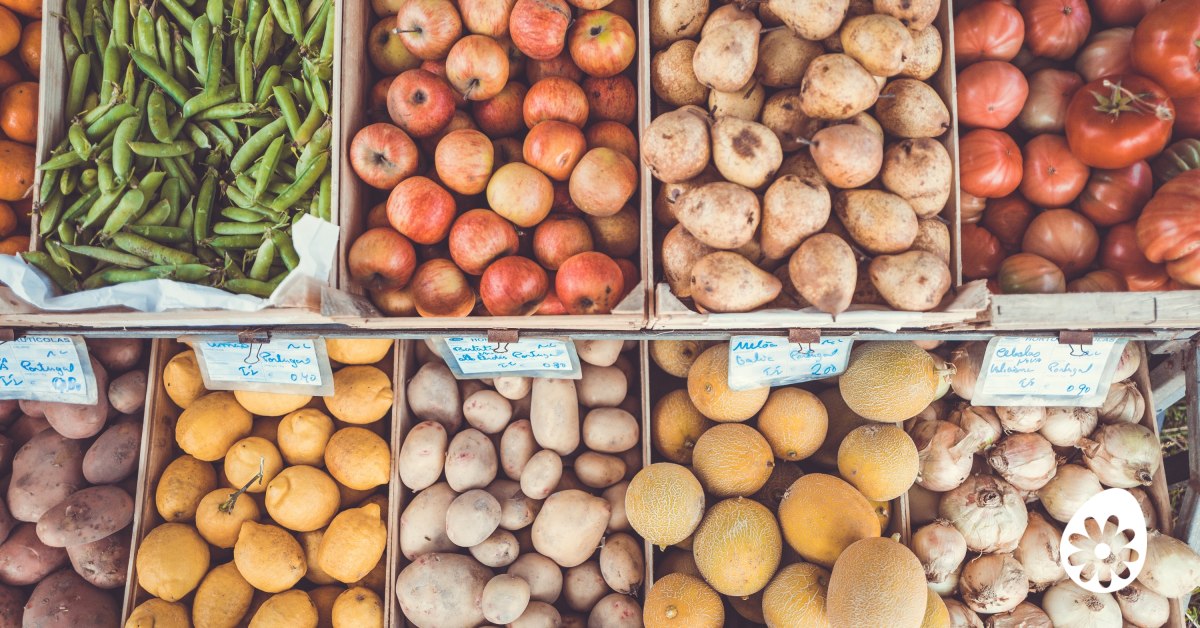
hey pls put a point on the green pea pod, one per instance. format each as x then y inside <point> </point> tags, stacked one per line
<point>61,256</point>
<point>269,161</point>
<point>190,273</point>
<point>122,159</point>
<point>103,205</point>
<point>49,214</point>
<point>79,142</point>
<point>209,99</point>
<point>244,72</point>
<point>105,176</point>
<point>215,10</point>
<point>239,198</point>
<point>80,72</point>
<point>178,12</point>
<point>59,162</point>
<point>241,228</point>
<point>216,61</point>
<point>91,115</point>
<point>182,73</point>
<point>49,184</point>
<point>198,137</point>
<point>158,214</point>
<point>230,268</point>
<point>320,141</point>
<point>75,19</point>
<point>304,182</point>
<point>295,18</point>
<point>110,121</point>
<point>291,62</point>
<point>121,26</point>
<point>256,145</point>
<point>229,127</point>
<point>165,80</point>
<point>242,242</point>
<point>142,98</point>
<point>143,32</point>
<point>284,170</point>
<point>127,209</point>
<point>261,268</point>
<point>310,125</point>
<point>180,171</point>
<point>172,192</point>
<point>239,214</point>
<point>175,125</point>
<point>150,184</point>
<point>160,234</point>
<point>287,109</point>
<point>227,111</point>
<point>108,256</point>
<point>281,15</point>
<point>88,179</point>
<point>287,250</point>
<point>110,71</point>
<point>316,28</point>
<point>204,202</point>
<point>59,275</point>
<point>80,205</point>
<point>325,198</point>
<point>156,117</point>
<point>264,34</point>
<point>320,96</point>
<point>266,85</point>
<point>130,81</point>
<point>162,36</point>
<point>220,140</point>
<point>68,182</point>
<point>252,287</point>
<point>114,276</point>
<point>254,122</point>
<point>157,150</point>
<point>201,32</point>
<point>100,35</point>
<point>238,12</point>
<point>151,250</point>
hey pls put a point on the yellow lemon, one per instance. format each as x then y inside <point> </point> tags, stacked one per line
<point>361,395</point>
<point>302,436</point>
<point>171,561</point>
<point>290,609</point>
<point>358,607</point>
<point>358,458</point>
<point>242,463</point>
<point>183,484</point>
<point>156,613</point>
<point>221,528</point>
<point>211,425</point>
<point>358,350</point>
<point>269,403</point>
<point>353,543</point>
<point>268,557</point>
<point>182,379</point>
<point>302,498</point>
<point>223,598</point>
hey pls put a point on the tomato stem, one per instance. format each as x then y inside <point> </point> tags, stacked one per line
<point>1122,99</point>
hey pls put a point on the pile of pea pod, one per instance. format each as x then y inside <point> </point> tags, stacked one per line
<point>198,135</point>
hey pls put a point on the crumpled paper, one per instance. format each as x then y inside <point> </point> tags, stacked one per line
<point>315,241</point>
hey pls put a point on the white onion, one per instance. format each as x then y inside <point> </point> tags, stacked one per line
<point>1124,404</point>
<point>1066,426</point>
<point>980,422</point>
<point>1026,461</point>
<point>1172,568</point>
<point>1122,455</point>
<point>945,586</point>
<point>1021,418</point>
<point>944,453</point>
<point>941,549</point>
<point>1148,511</point>
<point>1131,359</point>
<point>1102,570</point>
<point>1025,615</point>
<point>961,616</point>
<point>993,583</point>
<point>1142,607</point>
<point>967,359</point>
<point>1071,606</point>
<point>946,372</point>
<point>1039,553</point>
<point>988,512</point>
<point>1066,493</point>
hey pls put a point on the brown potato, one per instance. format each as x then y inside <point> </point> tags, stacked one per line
<point>920,171</point>
<point>621,563</point>
<point>46,470</point>
<point>423,522</point>
<point>794,208</point>
<point>584,585</point>
<point>836,87</point>
<point>77,420</point>
<point>569,527</point>
<point>114,454</point>
<point>545,578</point>
<point>610,430</point>
<point>783,56</point>
<point>443,590</point>
<point>127,393</point>
<point>517,446</point>
<point>880,222</point>
<point>672,78</point>
<point>103,563</point>
<point>925,57</point>
<point>680,252</point>
<point>727,282</point>
<point>848,155</point>
<point>910,108</point>
<point>470,460</point>
<point>722,215</point>
<point>914,281</point>
<point>65,599</point>
<point>117,354</point>
<point>933,236</point>
<point>880,43</point>
<point>824,272</point>
<point>599,470</point>
<point>676,144</point>
<point>25,560</point>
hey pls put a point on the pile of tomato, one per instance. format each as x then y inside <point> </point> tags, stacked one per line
<point>1079,146</point>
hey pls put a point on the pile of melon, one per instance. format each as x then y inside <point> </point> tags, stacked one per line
<point>771,503</point>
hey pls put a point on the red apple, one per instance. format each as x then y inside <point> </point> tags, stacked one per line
<point>558,238</point>
<point>477,67</point>
<point>554,148</point>
<point>439,288</point>
<point>617,235</point>
<point>501,115</point>
<point>561,66</point>
<point>539,27</point>
<point>589,283</point>
<point>459,121</point>
<point>508,150</point>
<point>513,286</point>
<point>381,258</point>
<point>479,237</point>
<point>383,155</point>
<point>629,271</point>
<point>438,67</point>
<point>520,193</point>
<point>421,209</point>
<point>613,135</point>
<point>516,58</point>
<point>562,201</point>
<point>464,160</point>
<point>486,17</point>
<point>377,101</point>
<point>420,102</point>
<point>613,98</point>
<point>378,216</point>
<point>602,43</point>
<point>386,50</point>
<point>428,28</point>
<point>603,181</point>
<point>552,306</point>
<point>394,301</point>
<point>556,99</point>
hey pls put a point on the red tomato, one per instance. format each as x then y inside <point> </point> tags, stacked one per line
<point>990,94</point>
<point>1120,252</point>
<point>989,163</point>
<point>970,207</point>
<point>1026,273</point>
<point>1165,48</point>
<point>988,30</point>
<point>1055,28</point>
<point>1064,237</point>
<point>1045,109</point>
<point>981,252</point>
<point>1053,177</point>
<point>1102,280</point>
<point>1169,227</point>
<point>1187,117</point>
<point>1008,218</point>
<point>1116,121</point>
<point>1105,54</point>
<point>1116,196</point>
<point>1121,12</point>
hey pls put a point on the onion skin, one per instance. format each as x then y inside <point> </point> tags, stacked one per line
<point>989,512</point>
<point>1071,606</point>
<point>1124,404</point>
<point>944,454</point>
<point>941,549</point>
<point>993,583</point>
<point>1065,427</point>
<point>947,585</point>
<point>1071,487</point>
<point>1025,615</point>
<point>1142,607</point>
<point>1172,568</point>
<point>1148,511</point>
<point>967,359</point>
<point>1122,455</point>
<point>1131,359</point>
<point>980,422</point>
<point>1025,460</point>
<point>1038,552</point>
<point>961,616</point>
<point>1021,418</point>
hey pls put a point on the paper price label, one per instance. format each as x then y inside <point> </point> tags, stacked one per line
<point>298,365</point>
<point>757,361</point>
<point>47,368</point>
<point>475,357</point>
<point>1041,371</point>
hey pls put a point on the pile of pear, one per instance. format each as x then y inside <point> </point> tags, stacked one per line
<point>797,147</point>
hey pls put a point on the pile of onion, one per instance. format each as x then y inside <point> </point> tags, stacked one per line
<point>1071,606</point>
<point>1122,455</point>
<point>1027,461</point>
<point>988,512</point>
<point>967,360</point>
<point>1124,404</point>
<point>944,452</point>
<point>941,549</point>
<point>980,422</point>
<point>993,583</point>
<point>1065,427</point>
<point>1038,553</point>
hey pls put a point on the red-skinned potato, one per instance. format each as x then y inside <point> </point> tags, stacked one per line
<point>117,354</point>
<point>86,516</point>
<point>65,599</point>
<point>46,470</point>
<point>25,560</point>
<point>103,563</point>
<point>75,420</point>
<point>114,454</point>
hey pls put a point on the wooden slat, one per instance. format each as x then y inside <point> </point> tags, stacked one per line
<point>1168,382</point>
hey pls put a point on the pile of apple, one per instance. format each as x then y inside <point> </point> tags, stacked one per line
<point>502,136</point>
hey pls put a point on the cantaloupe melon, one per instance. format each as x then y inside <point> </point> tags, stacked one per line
<point>780,481</point>
<point>877,582</point>
<point>841,421</point>
<point>822,515</point>
<point>879,460</point>
<point>936,613</point>
<point>676,425</point>
<point>795,598</point>
<point>683,601</point>
<point>749,608</point>
<point>889,381</point>
<point>708,386</point>
<point>664,503</point>
<point>738,546</point>
<point>675,357</point>
<point>732,459</point>
<point>794,422</point>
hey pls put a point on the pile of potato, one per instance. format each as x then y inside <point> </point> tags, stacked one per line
<point>303,545</point>
<point>69,474</point>
<point>519,514</point>
<point>798,164</point>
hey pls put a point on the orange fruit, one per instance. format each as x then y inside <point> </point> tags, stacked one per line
<point>19,112</point>
<point>14,245</point>
<point>31,47</point>
<point>9,73</point>
<point>29,8</point>
<point>8,220</point>
<point>10,31</point>
<point>16,170</point>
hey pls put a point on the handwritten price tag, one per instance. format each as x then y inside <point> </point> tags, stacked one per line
<point>283,365</point>
<point>757,361</point>
<point>474,356</point>
<point>1041,371</point>
<point>47,368</point>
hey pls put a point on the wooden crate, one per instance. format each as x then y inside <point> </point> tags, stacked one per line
<point>159,449</point>
<point>961,308</point>
<point>357,198</point>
